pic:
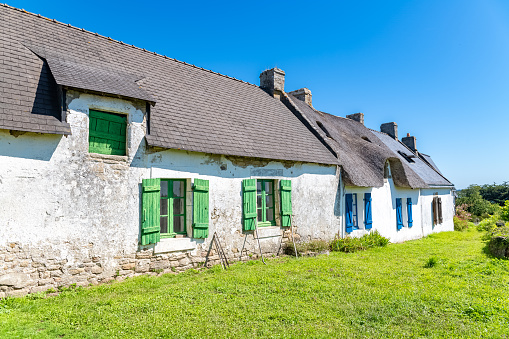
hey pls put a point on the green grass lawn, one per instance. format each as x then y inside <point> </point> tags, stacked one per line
<point>380,293</point>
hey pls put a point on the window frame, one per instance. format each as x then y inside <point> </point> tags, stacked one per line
<point>111,117</point>
<point>263,199</point>
<point>170,215</point>
<point>355,215</point>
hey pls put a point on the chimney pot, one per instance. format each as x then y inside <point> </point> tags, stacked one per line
<point>273,81</point>
<point>409,141</point>
<point>390,128</point>
<point>303,94</point>
<point>359,117</point>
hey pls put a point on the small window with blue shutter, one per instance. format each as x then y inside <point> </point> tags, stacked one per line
<point>351,212</point>
<point>399,214</point>
<point>368,220</point>
<point>409,211</point>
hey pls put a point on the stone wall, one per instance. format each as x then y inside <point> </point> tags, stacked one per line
<point>28,269</point>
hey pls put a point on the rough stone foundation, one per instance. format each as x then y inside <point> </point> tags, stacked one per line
<point>30,269</point>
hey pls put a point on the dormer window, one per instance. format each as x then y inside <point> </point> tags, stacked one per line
<point>322,127</point>
<point>406,156</point>
<point>107,133</point>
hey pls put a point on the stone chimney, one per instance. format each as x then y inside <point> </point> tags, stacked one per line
<point>359,117</point>
<point>272,81</point>
<point>409,141</point>
<point>303,94</point>
<point>390,128</point>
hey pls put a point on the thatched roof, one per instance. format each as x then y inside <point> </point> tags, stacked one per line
<point>362,152</point>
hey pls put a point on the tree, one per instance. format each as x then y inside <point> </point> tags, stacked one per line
<point>494,193</point>
<point>477,205</point>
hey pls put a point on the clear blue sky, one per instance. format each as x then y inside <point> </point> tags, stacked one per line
<point>438,68</point>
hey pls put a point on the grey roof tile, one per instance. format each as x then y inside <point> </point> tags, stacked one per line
<point>195,110</point>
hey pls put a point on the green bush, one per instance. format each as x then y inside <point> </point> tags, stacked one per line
<point>504,212</point>
<point>352,244</point>
<point>461,224</point>
<point>432,262</point>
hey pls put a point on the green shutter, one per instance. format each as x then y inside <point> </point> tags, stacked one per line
<point>150,219</point>
<point>249,204</point>
<point>286,203</point>
<point>200,208</point>
<point>107,133</point>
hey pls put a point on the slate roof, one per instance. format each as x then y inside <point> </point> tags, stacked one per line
<point>362,152</point>
<point>195,109</point>
<point>427,172</point>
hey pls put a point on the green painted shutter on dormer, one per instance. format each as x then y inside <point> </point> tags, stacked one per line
<point>249,204</point>
<point>286,203</point>
<point>107,133</point>
<point>150,218</point>
<point>200,208</point>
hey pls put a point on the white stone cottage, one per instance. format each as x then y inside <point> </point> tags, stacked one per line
<point>116,161</point>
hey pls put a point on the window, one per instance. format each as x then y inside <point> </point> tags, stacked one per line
<point>322,127</point>
<point>164,209</point>
<point>409,211</point>
<point>406,156</point>
<point>368,220</point>
<point>351,212</point>
<point>173,207</point>
<point>399,214</point>
<point>107,133</point>
<point>265,202</point>
<point>259,203</point>
<point>437,210</point>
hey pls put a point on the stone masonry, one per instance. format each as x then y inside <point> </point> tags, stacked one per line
<point>28,269</point>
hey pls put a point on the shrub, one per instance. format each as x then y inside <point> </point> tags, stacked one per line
<point>499,240</point>
<point>462,213</point>
<point>432,262</point>
<point>460,224</point>
<point>352,244</point>
<point>504,212</point>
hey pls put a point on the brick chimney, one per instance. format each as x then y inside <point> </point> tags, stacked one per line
<point>409,141</point>
<point>303,94</point>
<point>359,117</point>
<point>390,128</point>
<point>272,81</point>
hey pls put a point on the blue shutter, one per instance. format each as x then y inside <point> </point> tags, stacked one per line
<point>349,213</point>
<point>368,220</point>
<point>409,211</point>
<point>399,214</point>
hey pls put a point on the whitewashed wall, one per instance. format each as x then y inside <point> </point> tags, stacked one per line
<point>58,199</point>
<point>384,211</point>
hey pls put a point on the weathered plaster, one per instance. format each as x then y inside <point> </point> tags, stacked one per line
<point>68,216</point>
<point>384,211</point>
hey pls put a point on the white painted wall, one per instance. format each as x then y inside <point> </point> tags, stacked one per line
<point>57,197</point>
<point>384,211</point>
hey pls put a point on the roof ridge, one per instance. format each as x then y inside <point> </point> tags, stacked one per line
<point>122,43</point>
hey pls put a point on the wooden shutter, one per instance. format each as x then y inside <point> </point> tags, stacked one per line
<point>409,211</point>
<point>150,219</point>
<point>107,133</point>
<point>249,204</point>
<point>439,209</point>
<point>200,208</point>
<point>435,210</point>
<point>286,203</point>
<point>399,214</point>
<point>349,213</point>
<point>368,220</point>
